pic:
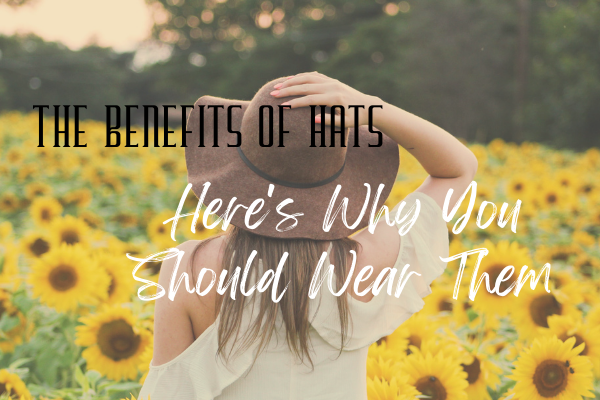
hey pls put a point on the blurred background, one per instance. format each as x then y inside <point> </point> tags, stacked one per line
<point>520,70</point>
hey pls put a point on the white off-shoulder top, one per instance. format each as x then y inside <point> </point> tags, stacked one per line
<point>197,374</point>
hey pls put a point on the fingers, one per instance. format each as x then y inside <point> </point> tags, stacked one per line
<point>312,99</point>
<point>303,78</point>
<point>302,90</point>
<point>338,121</point>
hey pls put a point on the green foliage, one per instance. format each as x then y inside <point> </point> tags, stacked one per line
<point>451,62</point>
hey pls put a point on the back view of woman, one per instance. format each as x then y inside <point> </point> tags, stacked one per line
<point>301,346</point>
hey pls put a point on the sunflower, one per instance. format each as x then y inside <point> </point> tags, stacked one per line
<point>66,276</point>
<point>119,271</point>
<point>13,386</point>
<point>438,377</point>
<point>35,244</point>
<point>44,209</point>
<point>9,202</point>
<point>518,188</point>
<point>440,302</point>
<point>92,220</point>
<point>36,189</point>
<point>565,327</point>
<point>557,253</point>
<point>481,374</point>
<point>115,342</point>
<point>533,308</point>
<point>80,198</point>
<point>417,329</point>
<point>9,268</point>
<point>500,256</point>
<point>69,230</point>
<point>394,389</point>
<point>13,336</point>
<point>159,233</point>
<point>553,369</point>
<point>201,231</point>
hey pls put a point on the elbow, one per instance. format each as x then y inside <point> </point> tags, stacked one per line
<point>472,165</point>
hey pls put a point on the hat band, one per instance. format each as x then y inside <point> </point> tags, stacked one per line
<point>282,182</point>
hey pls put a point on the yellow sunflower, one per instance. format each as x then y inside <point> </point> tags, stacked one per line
<point>481,374</point>
<point>567,326</point>
<point>557,253</point>
<point>66,277</point>
<point>417,329</point>
<point>553,369</point>
<point>115,342</point>
<point>9,202</point>
<point>36,189</point>
<point>35,244</point>
<point>12,386</point>
<point>118,269</point>
<point>394,389</point>
<point>531,312</point>
<point>439,377</point>
<point>69,230</point>
<point>44,209</point>
<point>501,255</point>
<point>159,233</point>
<point>13,336</point>
<point>9,267</point>
<point>80,198</point>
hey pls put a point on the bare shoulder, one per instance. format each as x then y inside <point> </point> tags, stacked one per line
<point>180,319</point>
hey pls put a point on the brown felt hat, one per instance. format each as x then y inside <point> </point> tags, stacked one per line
<point>307,175</point>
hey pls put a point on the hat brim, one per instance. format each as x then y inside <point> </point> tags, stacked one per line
<point>231,178</point>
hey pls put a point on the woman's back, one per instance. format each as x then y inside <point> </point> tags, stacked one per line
<point>197,373</point>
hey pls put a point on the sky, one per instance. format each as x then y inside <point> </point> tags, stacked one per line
<point>120,24</point>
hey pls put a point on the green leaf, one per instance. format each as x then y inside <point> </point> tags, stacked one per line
<point>17,363</point>
<point>93,376</point>
<point>81,379</point>
<point>471,314</point>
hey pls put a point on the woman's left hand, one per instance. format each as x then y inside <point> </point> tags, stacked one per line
<point>318,89</point>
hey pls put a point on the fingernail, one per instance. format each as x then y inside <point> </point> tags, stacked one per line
<point>290,77</point>
<point>275,92</point>
<point>287,103</point>
<point>277,86</point>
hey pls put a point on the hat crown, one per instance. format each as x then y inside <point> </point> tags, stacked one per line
<point>296,161</point>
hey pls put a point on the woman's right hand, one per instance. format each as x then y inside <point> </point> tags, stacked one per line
<point>318,89</point>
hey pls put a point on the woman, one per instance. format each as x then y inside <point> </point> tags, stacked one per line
<point>212,346</point>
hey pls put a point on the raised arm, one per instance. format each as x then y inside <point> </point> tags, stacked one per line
<point>448,162</point>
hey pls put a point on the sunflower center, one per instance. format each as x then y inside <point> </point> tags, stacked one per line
<point>518,187</point>
<point>39,247</point>
<point>445,305</point>
<point>45,214</point>
<point>117,340</point>
<point>542,307</point>
<point>3,389</point>
<point>550,378</point>
<point>495,272</point>
<point>413,340</point>
<point>70,237</point>
<point>161,229</point>
<point>63,278</point>
<point>473,370</point>
<point>432,387</point>
<point>564,337</point>
<point>551,198</point>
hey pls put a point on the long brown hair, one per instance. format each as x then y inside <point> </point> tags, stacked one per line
<point>303,256</point>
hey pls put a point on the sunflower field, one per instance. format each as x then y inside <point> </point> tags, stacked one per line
<point>72,326</point>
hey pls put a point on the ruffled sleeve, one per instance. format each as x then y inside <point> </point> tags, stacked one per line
<point>420,249</point>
